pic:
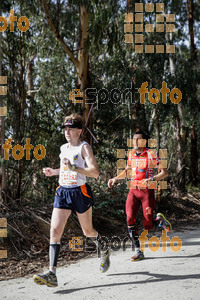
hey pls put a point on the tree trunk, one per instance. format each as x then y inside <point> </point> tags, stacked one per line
<point>83,68</point>
<point>2,133</point>
<point>190,8</point>
<point>193,58</point>
<point>82,63</point>
<point>194,157</point>
<point>158,132</point>
<point>21,87</point>
<point>181,135</point>
<point>30,81</point>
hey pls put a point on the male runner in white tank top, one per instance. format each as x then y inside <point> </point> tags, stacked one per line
<point>73,194</point>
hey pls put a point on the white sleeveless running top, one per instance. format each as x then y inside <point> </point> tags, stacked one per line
<point>68,178</point>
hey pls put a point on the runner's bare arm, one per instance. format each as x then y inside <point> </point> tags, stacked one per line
<point>158,177</point>
<point>161,175</point>
<point>50,172</point>
<point>122,175</point>
<point>92,169</point>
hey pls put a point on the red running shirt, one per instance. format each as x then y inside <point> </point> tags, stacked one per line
<point>143,164</point>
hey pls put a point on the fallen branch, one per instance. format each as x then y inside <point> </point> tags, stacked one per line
<point>193,197</point>
<point>24,237</point>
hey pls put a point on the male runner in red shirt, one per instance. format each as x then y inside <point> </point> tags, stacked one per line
<point>141,162</point>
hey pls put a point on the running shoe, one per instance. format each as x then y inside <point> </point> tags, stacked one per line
<point>139,255</point>
<point>105,261</point>
<point>49,278</point>
<point>163,222</point>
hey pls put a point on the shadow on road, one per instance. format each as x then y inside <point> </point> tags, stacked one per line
<point>162,257</point>
<point>180,256</point>
<point>154,277</point>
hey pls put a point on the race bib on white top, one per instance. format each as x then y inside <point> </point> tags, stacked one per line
<point>68,177</point>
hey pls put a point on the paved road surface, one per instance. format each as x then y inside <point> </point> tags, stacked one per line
<point>169,275</point>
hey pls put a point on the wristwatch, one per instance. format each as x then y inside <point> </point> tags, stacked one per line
<point>152,178</point>
<point>73,168</point>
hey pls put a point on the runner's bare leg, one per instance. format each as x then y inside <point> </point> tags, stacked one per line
<point>58,221</point>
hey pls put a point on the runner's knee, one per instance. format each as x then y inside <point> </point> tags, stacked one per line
<point>130,220</point>
<point>55,233</point>
<point>148,218</point>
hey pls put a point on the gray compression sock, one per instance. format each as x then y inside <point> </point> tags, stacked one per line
<point>54,250</point>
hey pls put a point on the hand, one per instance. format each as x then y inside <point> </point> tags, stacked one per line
<point>67,163</point>
<point>112,181</point>
<point>143,181</point>
<point>48,171</point>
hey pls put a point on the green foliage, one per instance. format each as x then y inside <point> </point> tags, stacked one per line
<point>110,202</point>
<point>112,64</point>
